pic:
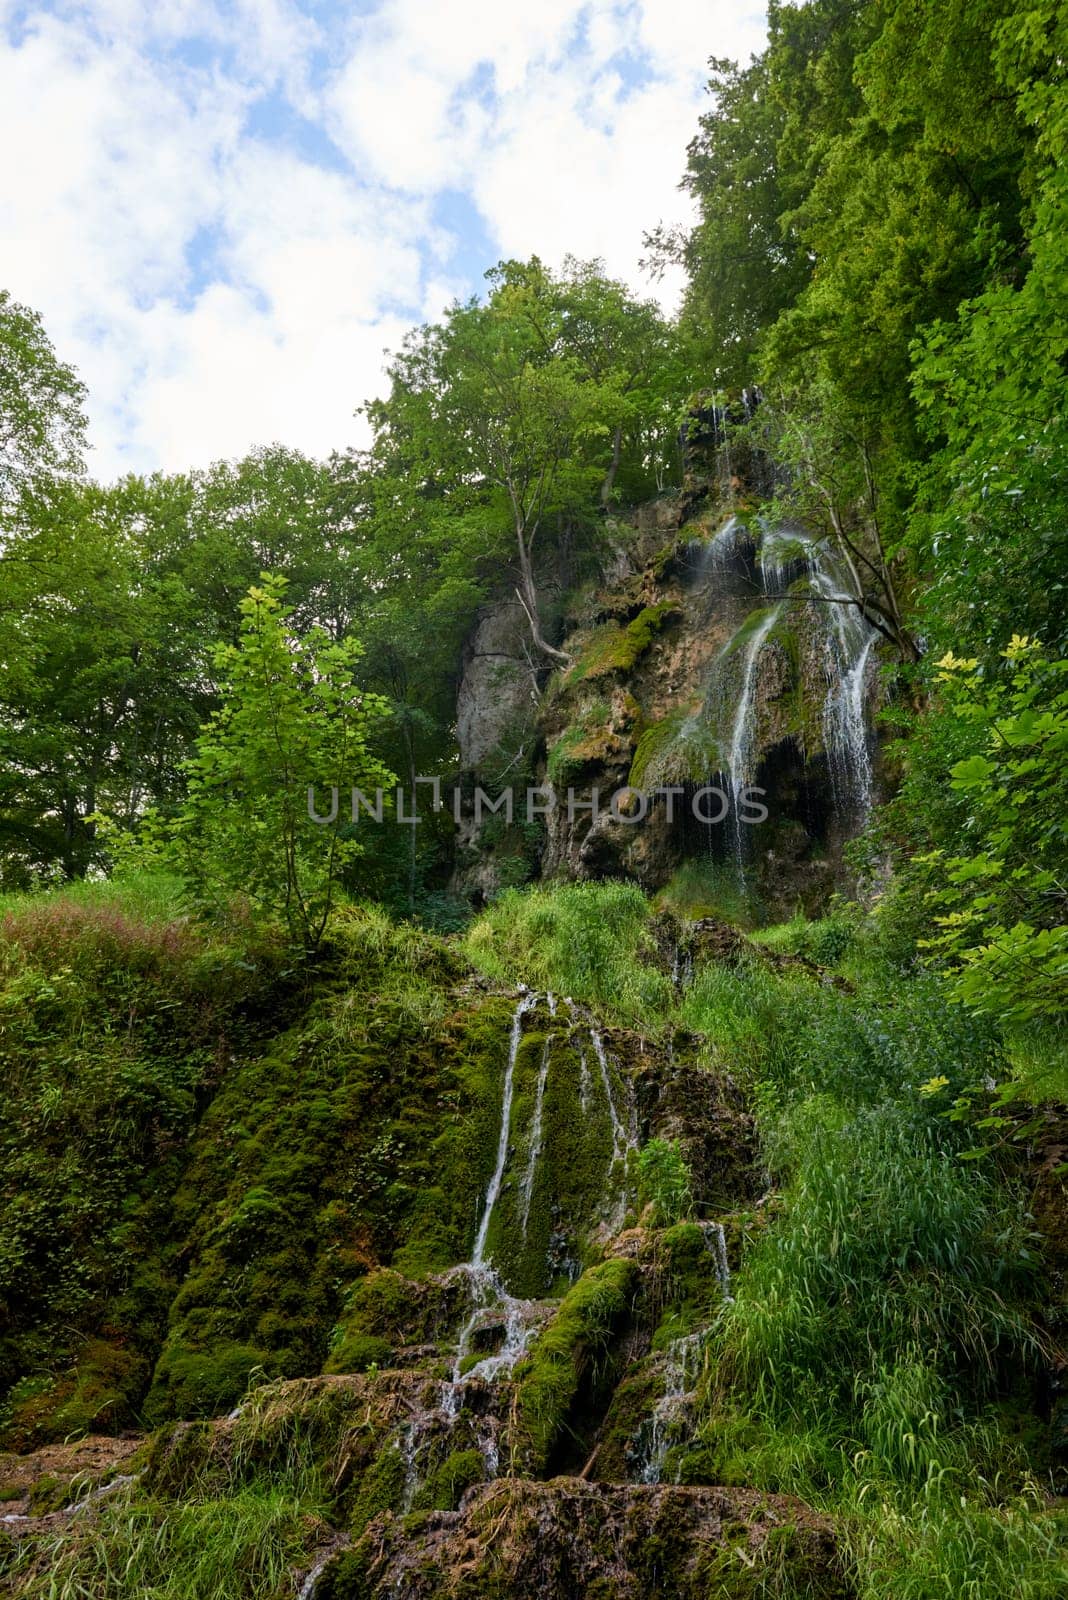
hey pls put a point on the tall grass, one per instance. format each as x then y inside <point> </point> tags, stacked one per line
<point>586,940</point>
<point>244,1547</point>
<point>147,896</point>
<point>956,1548</point>
<point>891,1255</point>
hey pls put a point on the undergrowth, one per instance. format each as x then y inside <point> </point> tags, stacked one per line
<point>203,1192</point>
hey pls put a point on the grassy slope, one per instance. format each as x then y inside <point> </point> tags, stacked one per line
<point>892,1329</point>
<point>202,1139</point>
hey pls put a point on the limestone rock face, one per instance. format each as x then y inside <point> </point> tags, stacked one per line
<point>498,688</point>
<point>718,651</point>
<point>559,1540</point>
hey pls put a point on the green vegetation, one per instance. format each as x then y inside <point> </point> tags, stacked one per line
<point>252,1104</point>
<point>582,940</point>
<point>882,1356</point>
<point>291,719</point>
<point>663,1180</point>
<point>614,649</point>
<point>241,1547</point>
<point>571,1353</point>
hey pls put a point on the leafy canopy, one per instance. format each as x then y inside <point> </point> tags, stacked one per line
<point>292,719</point>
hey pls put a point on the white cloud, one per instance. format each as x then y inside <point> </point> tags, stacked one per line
<point>583,139</point>
<point>219,287</point>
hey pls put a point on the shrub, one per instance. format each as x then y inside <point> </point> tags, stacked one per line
<point>664,1180</point>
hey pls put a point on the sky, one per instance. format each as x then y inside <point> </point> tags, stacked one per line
<point>226,213</point>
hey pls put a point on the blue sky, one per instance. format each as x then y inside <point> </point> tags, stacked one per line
<point>226,213</point>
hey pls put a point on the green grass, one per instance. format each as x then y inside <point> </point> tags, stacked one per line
<point>243,1547</point>
<point>958,1549</point>
<point>585,940</point>
<point>701,887</point>
<point>879,1358</point>
<point>151,896</point>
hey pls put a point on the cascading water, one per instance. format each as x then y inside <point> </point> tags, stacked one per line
<point>478,1255</point>
<point>487,1290</point>
<point>585,1082</point>
<point>682,1365</point>
<point>788,556</point>
<point>716,1241</point>
<point>526,1188</point>
<point>464,1401</point>
<point>623,1139</point>
<point>849,641</point>
<point>743,731</point>
<point>490,1302</point>
<point>793,570</point>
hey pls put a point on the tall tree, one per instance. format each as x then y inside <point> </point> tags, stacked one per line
<point>293,729</point>
<point>42,422</point>
<point>506,421</point>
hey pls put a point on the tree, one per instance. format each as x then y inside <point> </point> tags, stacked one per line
<point>42,424</point>
<point>293,725</point>
<point>506,422</point>
<point>106,676</point>
<point>114,600</point>
<point>998,885</point>
<point>991,520</point>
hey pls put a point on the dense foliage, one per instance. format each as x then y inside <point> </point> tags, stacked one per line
<point>251,1103</point>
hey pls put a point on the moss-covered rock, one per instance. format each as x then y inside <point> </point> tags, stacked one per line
<point>532,1541</point>
<point>570,1357</point>
<point>613,648</point>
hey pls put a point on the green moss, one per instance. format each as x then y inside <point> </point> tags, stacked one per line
<point>537,1241</point>
<point>348,1575</point>
<point>568,1353</point>
<point>177,1456</point>
<point>98,1394</point>
<point>367,1135</point>
<point>386,1309</point>
<point>357,1351</point>
<point>680,748</point>
<point>447,1484</point>
<point>49,1493</point>
<point>202,1383</point>
<point>632,1402</point>
<point>382,1488</point>
<point>612,648</point>
<point>586,741</point>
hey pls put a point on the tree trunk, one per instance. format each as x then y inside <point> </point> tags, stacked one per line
<point>527,595</point>
<point>610,476</point>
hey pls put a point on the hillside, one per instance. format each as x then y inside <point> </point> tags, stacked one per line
<point>533,954</point>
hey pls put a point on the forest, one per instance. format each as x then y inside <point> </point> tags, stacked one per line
<point>504,1205</point>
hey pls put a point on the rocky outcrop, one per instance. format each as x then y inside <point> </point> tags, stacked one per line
<point>498,686</point>
<point>519,1540</point>
<point>717,654</point>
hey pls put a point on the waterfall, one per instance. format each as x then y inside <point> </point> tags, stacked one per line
<point>846,734</point>
<point>760,576</point>
<point>683,1361</point>
<point>526,1003</point>
<point>671,1413</point>
<point>585,1084</point>
<point>717,552</point>
<point>780,552</point>
<point>621,1141</point>
<point>488,1293</point>
<point>848,643</point>
<point>526,1188</point>
<point>744,727</point>
<point>716,1241</point>
<point>786,555</point>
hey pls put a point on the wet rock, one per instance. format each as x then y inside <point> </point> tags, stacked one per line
<point>557,1541</point>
